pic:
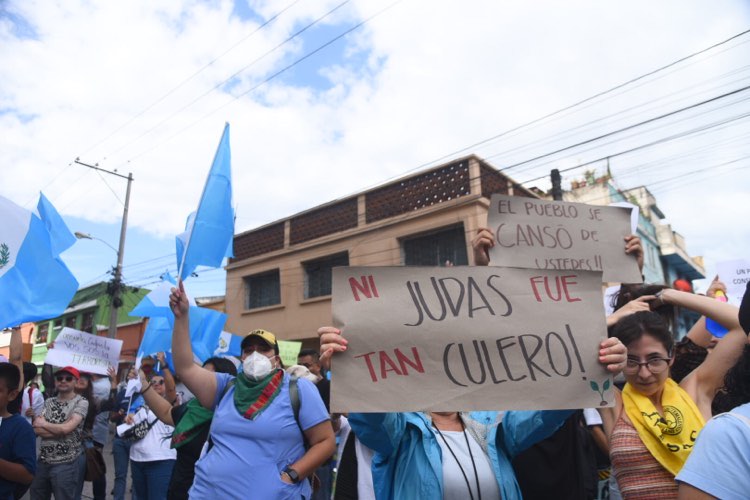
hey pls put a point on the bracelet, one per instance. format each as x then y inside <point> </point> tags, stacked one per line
<point>146,389</point>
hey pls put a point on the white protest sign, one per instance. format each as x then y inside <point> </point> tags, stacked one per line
<point>84,351</point>
<point>543,234</point>
<point>468,338</point>
<point>734,274</point>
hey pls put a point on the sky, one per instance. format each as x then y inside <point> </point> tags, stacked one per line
<point>328,98</point>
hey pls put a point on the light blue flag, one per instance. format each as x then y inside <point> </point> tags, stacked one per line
<point>156,303</point>
<point>209,231</point>
<point>35,283</point>
<point>157,337</point>
<point>229,345</point>
<point>60,236</point>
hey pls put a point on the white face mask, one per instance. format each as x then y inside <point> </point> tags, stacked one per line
<point>256,366</point>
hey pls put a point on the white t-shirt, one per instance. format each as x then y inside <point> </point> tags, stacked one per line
<point>37,402</point>
<point>455,485</point>
<point>365,489</point>
<point>156,444</point>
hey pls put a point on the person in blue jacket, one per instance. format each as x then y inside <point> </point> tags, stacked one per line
<point>453,455</point>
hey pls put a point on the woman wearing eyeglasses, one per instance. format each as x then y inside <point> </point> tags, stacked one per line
<point>655,421</point>
<point>151,458</point>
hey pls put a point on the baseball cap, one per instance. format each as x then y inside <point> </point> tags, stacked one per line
<point>71,370</point>
<point>268,337</point>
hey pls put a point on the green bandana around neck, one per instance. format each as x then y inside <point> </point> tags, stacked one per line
<point>193,421</point>
<point>251,397</point>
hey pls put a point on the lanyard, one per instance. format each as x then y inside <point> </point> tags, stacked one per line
<point>471,455</point>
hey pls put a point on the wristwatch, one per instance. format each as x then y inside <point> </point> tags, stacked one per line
<point>292,474</point>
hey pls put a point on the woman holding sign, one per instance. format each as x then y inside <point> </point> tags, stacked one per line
<point>453,454</point>
<point>655,421</point>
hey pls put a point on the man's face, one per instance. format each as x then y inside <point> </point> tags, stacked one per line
<point>309,363</point>
<point>65,382</point>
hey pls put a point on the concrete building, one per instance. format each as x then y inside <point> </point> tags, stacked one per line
<point>280,278</point>
<point>666,258</point>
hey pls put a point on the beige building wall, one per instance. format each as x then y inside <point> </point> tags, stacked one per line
<point>374,244</point>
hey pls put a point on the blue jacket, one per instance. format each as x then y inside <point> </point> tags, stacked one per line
<point>408,460</point>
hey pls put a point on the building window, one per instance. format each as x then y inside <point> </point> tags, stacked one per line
<point>262,290</point>
<point>41,334</point>
<point>319,273</point>
<point>88,322</point>
<point>437,248</point>
<point>70,322</point>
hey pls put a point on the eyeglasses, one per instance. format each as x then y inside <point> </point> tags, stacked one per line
<point>66,378</point>
<point>654,365</point>
<point>158,382</point>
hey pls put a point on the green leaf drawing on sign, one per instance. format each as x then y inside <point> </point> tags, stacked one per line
<point>594,386</point>
<point>606,384</point>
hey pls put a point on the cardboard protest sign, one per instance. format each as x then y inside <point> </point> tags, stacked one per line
<point>735,274</point>
<point>468,338</point>
<point>84,351</point>
<point>288,351</point>
<point>542,234</point>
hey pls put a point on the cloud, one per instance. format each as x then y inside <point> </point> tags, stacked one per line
<point>420,81</point>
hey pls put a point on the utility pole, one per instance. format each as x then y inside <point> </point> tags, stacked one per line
<point>556,184</point>
<point>114,291</point>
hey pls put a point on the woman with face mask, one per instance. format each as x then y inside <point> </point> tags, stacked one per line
<point>254,435</point>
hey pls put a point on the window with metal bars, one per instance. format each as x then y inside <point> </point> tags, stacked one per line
<point>438,248</point>
<point>262,290</point>
<point>319,274</point>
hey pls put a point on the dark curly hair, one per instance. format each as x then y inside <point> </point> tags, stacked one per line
<point>636,325</point>
<point>736,389</point>
<point>222,365</point>
<point>632,292</point>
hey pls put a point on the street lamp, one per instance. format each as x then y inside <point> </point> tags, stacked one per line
<point>86,236</point>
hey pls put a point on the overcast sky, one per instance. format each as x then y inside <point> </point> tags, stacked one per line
<point>145,87</point>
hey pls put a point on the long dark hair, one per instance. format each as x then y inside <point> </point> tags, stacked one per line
<point>88,393</point>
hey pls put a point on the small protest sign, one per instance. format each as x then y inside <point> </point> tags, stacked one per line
<point>288,351</point>
<point>543,234</point>
<point>84,351</point>
<point>735,274</point>
<point>468,338</point>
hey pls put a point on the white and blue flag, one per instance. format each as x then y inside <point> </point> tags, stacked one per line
<point>205,324</point>
<point>35,283</point>
<point>229,345</point>
<point>209,231</point>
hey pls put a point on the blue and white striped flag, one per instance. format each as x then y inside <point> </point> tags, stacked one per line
<point>35,283</point>
<point>210,230</point>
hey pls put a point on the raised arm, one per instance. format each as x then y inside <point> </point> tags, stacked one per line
<point>200,381</point>
<point>157,404</point>
<point>16,354</point>
<point>705,380</point>
<point>170,391</point>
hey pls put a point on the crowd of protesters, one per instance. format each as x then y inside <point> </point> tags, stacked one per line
<point>679,428</point>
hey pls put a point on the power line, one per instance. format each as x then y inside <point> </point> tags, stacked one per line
<point>186,80</point>
<point>234,75</point>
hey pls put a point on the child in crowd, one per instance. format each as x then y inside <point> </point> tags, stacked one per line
<point>17,439</point>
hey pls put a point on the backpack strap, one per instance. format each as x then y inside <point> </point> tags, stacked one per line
<point>31,389</point>
<point>294,399</point>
